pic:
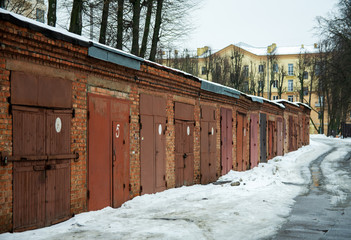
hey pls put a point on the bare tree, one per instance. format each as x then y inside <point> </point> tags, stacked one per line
<point>23,7</point>
<point>280,81</point>
<point>149,4</point>
<point>76,17</point>
<point>303,64</point>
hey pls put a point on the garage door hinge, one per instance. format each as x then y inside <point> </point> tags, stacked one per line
<point>88,194</point>
<point>130,119</point>
<point>141,189</point>
<point>73,113</point>
<point>88,115</point>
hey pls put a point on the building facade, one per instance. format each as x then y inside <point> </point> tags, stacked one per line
<point>272,72</point>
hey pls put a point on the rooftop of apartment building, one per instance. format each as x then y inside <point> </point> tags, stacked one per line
<point>263,51</point>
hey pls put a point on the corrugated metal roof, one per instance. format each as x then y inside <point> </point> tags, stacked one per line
<point>116,56</point>
<point>219,89</point>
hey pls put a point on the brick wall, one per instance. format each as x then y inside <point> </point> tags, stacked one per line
<point>5,148</point>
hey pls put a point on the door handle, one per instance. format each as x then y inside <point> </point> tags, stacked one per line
<point>185,155</point>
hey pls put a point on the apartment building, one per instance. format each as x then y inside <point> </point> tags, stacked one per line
<point>256,65</point>
<point>34,9</point>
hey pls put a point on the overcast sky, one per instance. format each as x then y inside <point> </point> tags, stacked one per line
<point>257,22</point>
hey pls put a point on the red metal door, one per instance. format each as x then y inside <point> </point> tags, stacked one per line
<point>212,151</point>
<point>147,166</point>
<point>188,156</point>
<point>291,133</point>
<point>120,162</point>
<point>152,143</point>
<point>208,145</point>
<point>253,140</point>
<point>226,140</point>
<point>263,137</point>
<point>240,142</point>
<point>108,165</point>
<point>160,155</point>
<point>271,139</point>
<point>205,157</point>
<point>179,153</point>
<point>296,133</point>
<point>99,163</point>
<point>184,143</point>
<point>280,137</point>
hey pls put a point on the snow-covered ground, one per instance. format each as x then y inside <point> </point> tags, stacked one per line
<point>253,210</point>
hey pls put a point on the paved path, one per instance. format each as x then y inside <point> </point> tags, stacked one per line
<point>313,216</point>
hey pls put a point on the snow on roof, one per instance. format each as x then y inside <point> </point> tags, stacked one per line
<point>303,104</point>
<point>10,16</point>
<point>286,101</point>
<point>262,99</point>
<point>262,51</point>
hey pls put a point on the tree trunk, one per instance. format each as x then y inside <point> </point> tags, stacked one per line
<point>156,37</point>
<point>146,28</point>
<point>135,31</point>
<point>120,27</point>
<point>310,92</point>
<point>52,13</point>
<point>301,90</point>
<point>76,17</point>
<point>103,26</point>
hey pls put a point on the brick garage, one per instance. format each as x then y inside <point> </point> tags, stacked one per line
<point>99,74</point>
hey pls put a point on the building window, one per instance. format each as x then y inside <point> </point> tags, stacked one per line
<point>305,91</point>
<point>290,69</point>
<point>40,15</point>
<point>320,102</point>
<point>291,98</point>
<point>246,86</point>
<point>290,85</point>
<point>275,68</point>
<point>203,70</point>
<point>260,68</point>
<point>246,70</point>
<point>275,97</point>
<point>305,75</point>
<point>275,83</point>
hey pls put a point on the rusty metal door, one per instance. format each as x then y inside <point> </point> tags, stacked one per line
<point>58,173</point>
<point>41,183</point>
<point>152,143</point>
<point>280,145</point>
<point>263,137</point>
<point>291,133</point>
<point>270,139</point>
<point>100,153</point>
<point>29,178</point>
<point>253,140</point>
<point>240,128</point>
<point>108,165</point>
<point>184,144</point>
<point>226,140</point>
<point>208,144</point>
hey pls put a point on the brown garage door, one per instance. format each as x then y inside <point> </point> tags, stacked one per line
<point>152,143</point>
<point>208,144</point>
<point>271,139</point>
<point>41,184</point>
<point>254,140</point>
<point>184,144</point>
<point>280,137</point>
<point>108,164</point>
<point>226,140</point>
<point>263,137</point>
<point>241,140</point>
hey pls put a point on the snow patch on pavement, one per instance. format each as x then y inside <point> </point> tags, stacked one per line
<point>253,210</point>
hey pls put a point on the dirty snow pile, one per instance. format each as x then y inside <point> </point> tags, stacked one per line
<point>241,205</point>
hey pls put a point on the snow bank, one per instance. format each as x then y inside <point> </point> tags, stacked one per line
<point>253,210</point>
